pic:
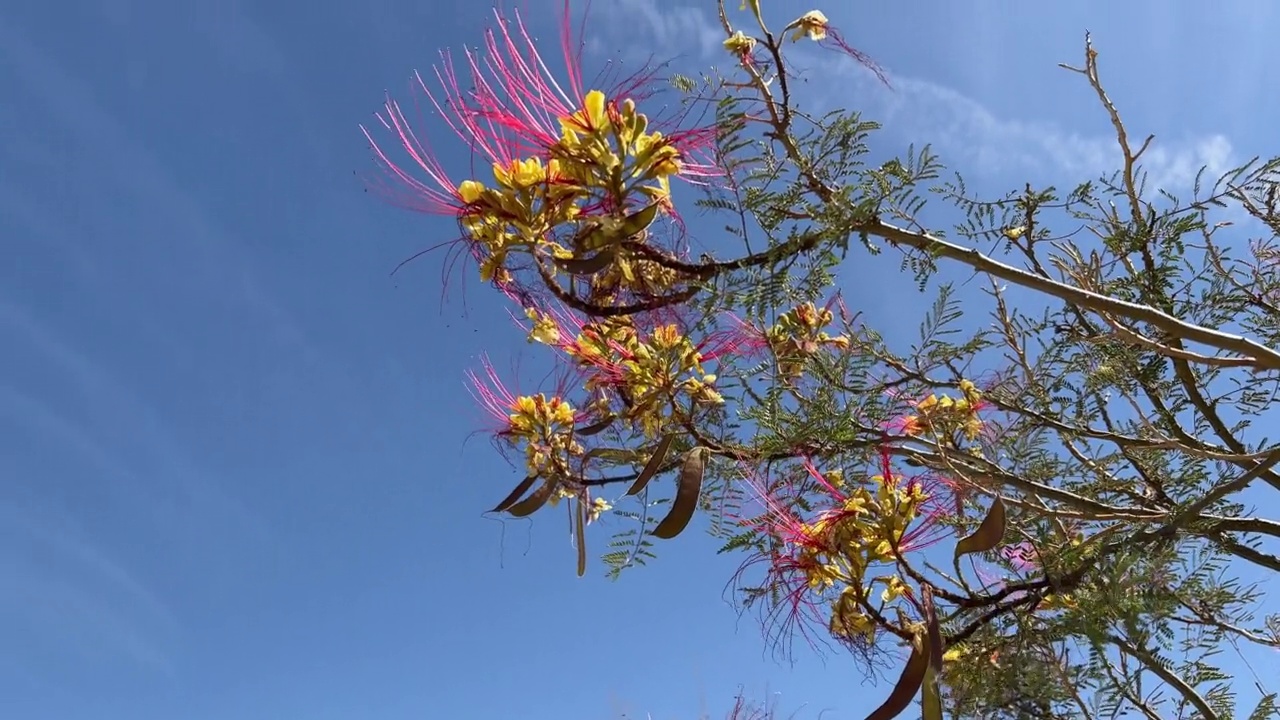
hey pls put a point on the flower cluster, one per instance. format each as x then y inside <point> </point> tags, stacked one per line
<point>640,369</point>
<point>836,544</point>
<point>642,379</point>
<point>576,209</point>
<point>579,175</point>
<point>812,25</point>
<point>798,335</point>
<point>540,424</point>
<point>944,416</point>
<point>568,219</point>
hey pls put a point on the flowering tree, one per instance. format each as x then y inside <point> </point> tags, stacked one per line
<point>1041,515</point>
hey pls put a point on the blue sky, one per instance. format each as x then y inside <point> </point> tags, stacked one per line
<point>235,480</point>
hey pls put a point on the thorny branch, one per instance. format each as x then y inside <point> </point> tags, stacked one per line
<point>1167,337</point>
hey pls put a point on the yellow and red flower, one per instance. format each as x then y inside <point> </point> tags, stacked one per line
<point>827,533</point>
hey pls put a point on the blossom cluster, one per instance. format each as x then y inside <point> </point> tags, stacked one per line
<point>837,542</point>
<point>842,548</point>
<point>574,220</point>
<point>943,416</point>
<point>579,175</point>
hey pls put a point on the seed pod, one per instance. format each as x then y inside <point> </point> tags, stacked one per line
<point>534,502</point>
<point>651,468</point>
<point>588,265</point>
<point>520,490</point>
<point>581,536</point>
<point>596,427</point>
<point>906,688</point>
<point>688,489</point>
<point>988,535</point>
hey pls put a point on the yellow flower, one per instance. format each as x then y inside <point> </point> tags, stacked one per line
<point>1057,602</point>
<point>972,428</point>
<point>823,576</point>
<point>665,336</point>
<point>840,342</point>
<point>813,23</point>
<point>893,590</point>
<point>740,44</point>
<point>880,551</point>
<point>912,425</point>
<point>534,413</point>
<point>847,619</point>
<point>591,117</point>
<point>857,502</point>
<point>544,328</point>
<point>594,104</point>
<point>598,507</point>
<point>522,174</point>
<point>561,493</point>
<point>561,412</point>
<point>660,193</point>
<point>655,156</point>
<point>491,266</point>
<point>914,494</point>
<point>470,191</point>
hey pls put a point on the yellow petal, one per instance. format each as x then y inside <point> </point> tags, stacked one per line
<point>594,104</point>
<point>470,191</point>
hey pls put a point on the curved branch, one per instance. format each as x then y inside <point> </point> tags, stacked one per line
<point>1151,663</point>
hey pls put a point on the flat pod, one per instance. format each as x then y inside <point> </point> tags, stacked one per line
<point>651,468</point>
<point>930,692</point>
<point>596,427</point>
<point>534,502</point>
<point>587,266</point>
<point>516,494</point>
<point>688,489</point>
<point>904,691</point>
<point>988,535</point>
<point>639,221</point>
<point>581,537</point>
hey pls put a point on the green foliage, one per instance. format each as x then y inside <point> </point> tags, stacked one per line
<point>1103,383</point>
<point>1110,436</point>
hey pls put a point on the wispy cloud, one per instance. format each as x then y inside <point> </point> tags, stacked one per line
<point>62,596</point>
<point>71,102</point>
<point>978,139</point>
<point>169,481</point>
<point>60,593</point>
<point>671,29</point>
<point>967,134</point>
